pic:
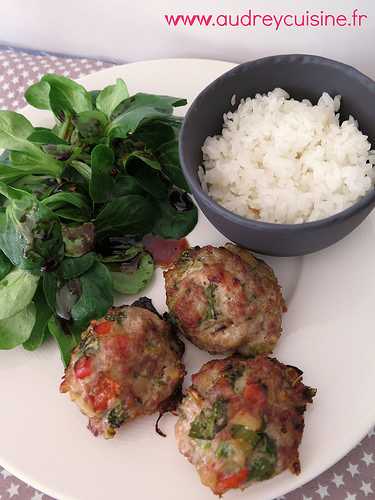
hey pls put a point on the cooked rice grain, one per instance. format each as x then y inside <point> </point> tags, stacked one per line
<point>285,161</point>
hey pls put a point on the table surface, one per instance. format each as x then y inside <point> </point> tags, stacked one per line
<point>352,478</point>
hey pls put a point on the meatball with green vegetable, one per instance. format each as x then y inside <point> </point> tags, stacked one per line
<point>242,421</point>
<point>225,300</point>
<point>127,364</point>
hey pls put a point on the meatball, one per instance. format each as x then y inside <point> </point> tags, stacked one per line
<point>225,300</point>
<point>242,421</point>
<point>127,364</point>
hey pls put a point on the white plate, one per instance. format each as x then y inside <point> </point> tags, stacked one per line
<point>328,332</point>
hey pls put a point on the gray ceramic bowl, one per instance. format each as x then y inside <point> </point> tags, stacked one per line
<point>302,76</point>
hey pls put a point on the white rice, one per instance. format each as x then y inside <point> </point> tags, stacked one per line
<point>285,161</point>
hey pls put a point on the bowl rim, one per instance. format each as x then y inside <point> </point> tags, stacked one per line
<point>196,187</point>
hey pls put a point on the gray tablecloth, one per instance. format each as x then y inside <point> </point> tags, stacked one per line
<point>353,478</point>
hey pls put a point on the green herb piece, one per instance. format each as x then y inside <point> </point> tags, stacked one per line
<point>117,416</point>
<point>210,296</point>
<point>30,234</point>
<point>65,341</point>
<point>17,290</point>
<point>111,96</point>
<point>15,330</point>
<point>89,345</point>
<point>133,278</point>
<point>210,421</point>
<point>233,373</point>
<point>242,432</point>
<point>224,450</point>
<point>102,181</point>
<point>264,459</point>
<point>78,240</point>
<point>40,330</point>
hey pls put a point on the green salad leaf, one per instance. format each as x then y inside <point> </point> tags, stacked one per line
<point>30,234</point>
<point>15,330</point>
<point>96,297</point>
<point>5,266</point>
<point>38,95</point>
<point>110,97</point>
<point>131,277</point>
<point>132,214</point>
<point>66,95</point>
<point>174,224</point>
<point>102,181</point>
<point>65,341</point>
<point>76,200</point>
<point>40,329</point>
<point>17,290</point>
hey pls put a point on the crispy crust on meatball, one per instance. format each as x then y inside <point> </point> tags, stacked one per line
<point>242,421</point>
<point>225,300</point>
<point>127,365</point>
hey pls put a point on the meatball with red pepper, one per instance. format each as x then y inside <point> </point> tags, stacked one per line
<point>242,421</point>
<point>225,300</point>
<point>127,364</point>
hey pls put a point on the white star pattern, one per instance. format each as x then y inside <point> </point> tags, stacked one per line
<point>306,498</point>
<point>13,490</point>
<point>322,491</point>
<point>368,458</point>
<point>37,496</point>
<point>5,473</point>
<point>338,480</point>
<point>353,469</point>
<point>366,488</point>
<point>350,496</point>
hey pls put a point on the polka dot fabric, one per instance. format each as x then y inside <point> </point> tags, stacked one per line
<point>19,69</point>
<point>353,478</point>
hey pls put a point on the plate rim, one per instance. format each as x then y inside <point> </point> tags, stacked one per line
<point>298,481</point>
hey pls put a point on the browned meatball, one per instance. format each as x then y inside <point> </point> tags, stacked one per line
<point>225,300</point>
<point>242,421</point>
<point>126,365</point>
